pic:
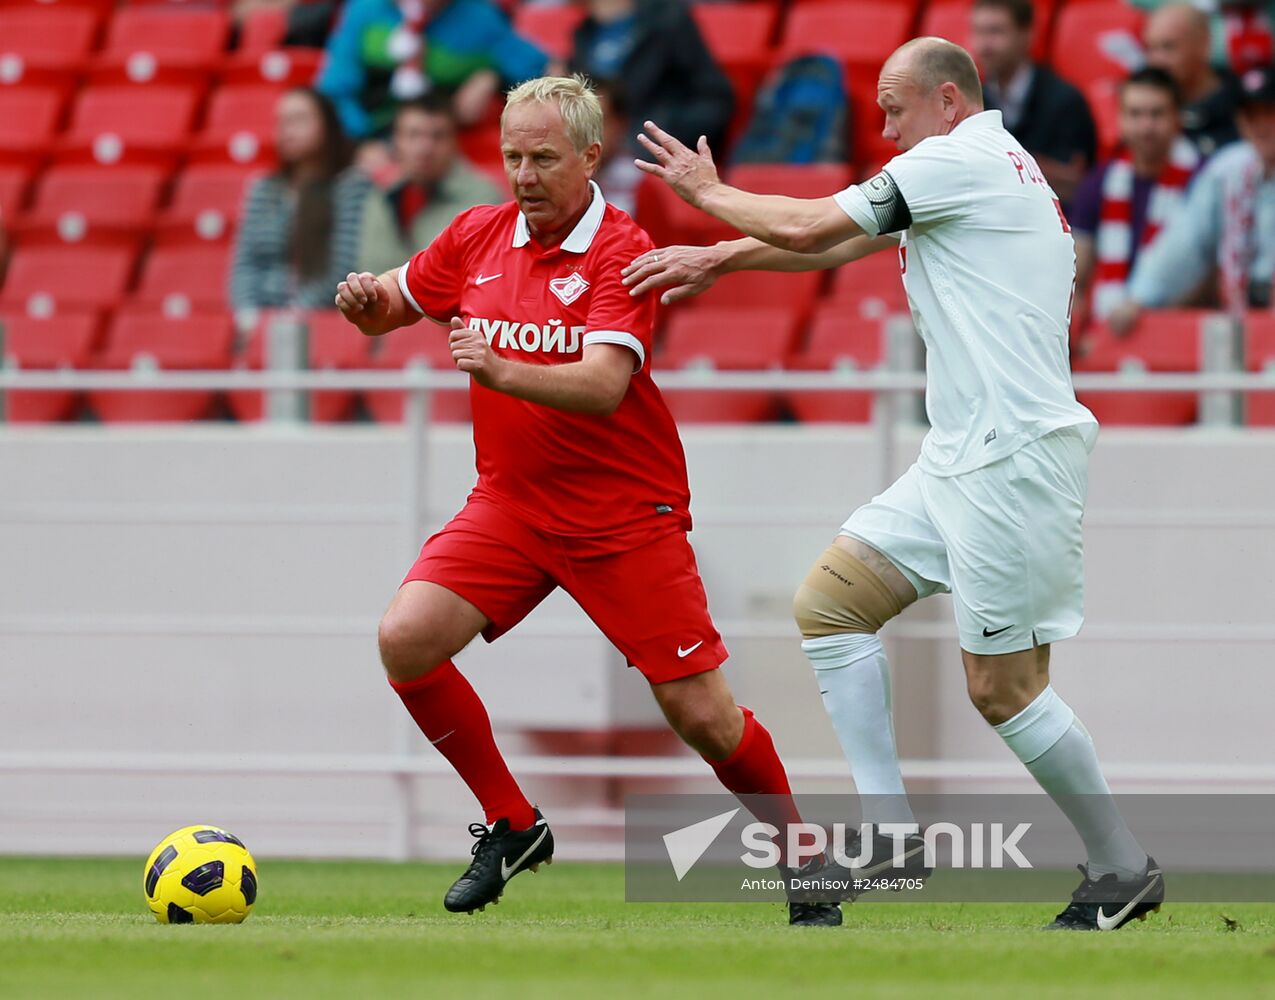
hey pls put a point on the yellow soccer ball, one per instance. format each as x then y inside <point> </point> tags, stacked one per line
<point>200,875</point>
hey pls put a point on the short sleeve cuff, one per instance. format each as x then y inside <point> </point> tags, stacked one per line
<point>402,287</point>
<point>855,204</point>
<point>618,337</point>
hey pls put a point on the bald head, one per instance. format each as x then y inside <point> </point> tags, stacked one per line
<point>931,62</point>
<point>1177,41</point>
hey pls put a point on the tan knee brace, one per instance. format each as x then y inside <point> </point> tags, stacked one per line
<point>841,594</point>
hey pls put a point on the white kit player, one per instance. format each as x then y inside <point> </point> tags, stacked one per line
<point>991,512</point>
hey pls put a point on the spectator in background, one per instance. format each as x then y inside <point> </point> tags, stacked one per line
<point>1240,30</point>
<point>386,51</point>
<point>1227,226</point>
<point>1044,112</point>
<point>300,228</point>
<point>1177,41</point>
<point>1123,204</point>
<point>618,176</point>
<point>434,186</point>
<point>654,49</point>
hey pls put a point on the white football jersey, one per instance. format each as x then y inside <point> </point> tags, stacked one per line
<point>989,266</point>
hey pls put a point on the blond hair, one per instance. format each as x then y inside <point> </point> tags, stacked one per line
<point>581,111</point>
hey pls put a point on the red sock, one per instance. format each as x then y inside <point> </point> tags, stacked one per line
<point>754,768</point>
<point>450,714</point>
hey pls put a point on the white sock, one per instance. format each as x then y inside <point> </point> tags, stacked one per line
<point>854,679</point>
<point>1058,751</point>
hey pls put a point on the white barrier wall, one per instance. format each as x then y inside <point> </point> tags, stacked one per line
<point>216,590</point>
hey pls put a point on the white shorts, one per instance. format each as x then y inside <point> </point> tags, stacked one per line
<point>1005,540</point>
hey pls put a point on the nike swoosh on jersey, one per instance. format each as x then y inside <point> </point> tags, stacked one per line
<point>482,279</point>
<point>681,653</point>
<point>1106,923</point>
<point>988,635</point>
<point>507,872</point>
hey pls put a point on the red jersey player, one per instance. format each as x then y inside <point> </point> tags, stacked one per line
<point>581,478</point>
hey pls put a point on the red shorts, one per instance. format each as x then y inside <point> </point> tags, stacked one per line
<point>647,600</point>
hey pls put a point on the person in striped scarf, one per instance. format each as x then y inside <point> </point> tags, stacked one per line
<point>1123,203</point>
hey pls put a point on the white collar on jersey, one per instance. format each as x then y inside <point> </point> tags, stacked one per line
<point>581,237</point>
<point>983,119</point>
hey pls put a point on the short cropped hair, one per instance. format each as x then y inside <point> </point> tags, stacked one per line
<point>1153,76</point>
<point>1023,12</point>
<point>578,104</point>
<point>936,61</point>
<point>435,102</point>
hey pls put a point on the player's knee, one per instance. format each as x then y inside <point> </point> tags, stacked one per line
<point>993,704</point>
<point>842,594</point>
<point>708,732</point>
<point>409,648</point>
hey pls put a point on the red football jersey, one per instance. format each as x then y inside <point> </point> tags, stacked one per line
<point>568,473</point>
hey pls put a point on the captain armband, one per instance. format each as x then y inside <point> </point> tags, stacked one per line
<point>891,211</point>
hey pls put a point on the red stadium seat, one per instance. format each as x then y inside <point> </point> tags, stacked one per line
<point>838,339</point>
<point>13,191</point>
<point>100,8</point>
<point>138,336</point>
<point>550,27</point>
<point>182,280</point>
<point>739,37</point>
<point>92,204</point>
<point>207,199</point>
<point>162,45</point>
<point>725,339</point>
<point>1259,355</point>
<point>44,281</point>
<point>792,292</point>
<point>64,341</point>
<point>126,124</point>
<point>281,67</point>
<point>669,220</point>
<point>815,180</point>
<point>333,344</point>
<point>1103,97</point>
<point>424,344</point>
<point>28,121</point>
<point>44,45</point>
<point>240,126</point>
<point>871,288</point>
<point>1097,41</point>
<point>262,30</point>
<point>1164,341</point>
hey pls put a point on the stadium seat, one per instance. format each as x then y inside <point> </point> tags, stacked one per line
<point>725,339</point>
<point>127,124</point>
<point>92,204</point>
<point>480,145</point>
<point>739,37</point>
<point>669,220</point>
<point>1164,341</point>
<point>101,8</point>
<point>1259,355</point>
<point>1097,41</point>
<point>28,121</point>
<point>44,281</point>
<point>793,293</point>
<point>293,66</point>
<point>1103,97</point>
<point>141,336</point>
<point>262,30</point>
<point>838,339</point>
<point>67,340</point>
<point>13,191</point>
<point>870,288</point>
<point>181,280</point>
<point>815,180</point>
<point>42,45</point>
<point>424,344</point>
<point>333,344</point>
<point>239,127</point>
<point>161,45</point>
<point>206,202</point>
<point>549,26</point>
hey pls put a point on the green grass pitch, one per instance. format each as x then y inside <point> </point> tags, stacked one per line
<point>79,928</point>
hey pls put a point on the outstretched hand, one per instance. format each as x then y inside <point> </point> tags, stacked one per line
<point>684,271</point>
<point>691,173</point>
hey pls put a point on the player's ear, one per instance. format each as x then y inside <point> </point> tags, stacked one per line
<point>592,158</point>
